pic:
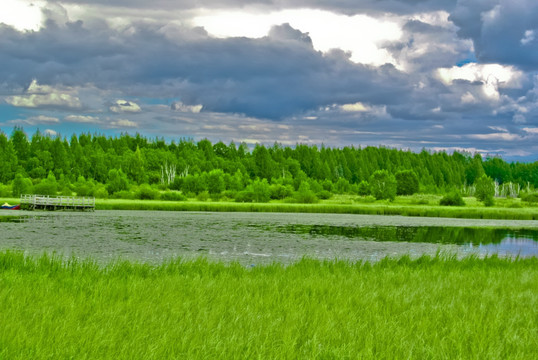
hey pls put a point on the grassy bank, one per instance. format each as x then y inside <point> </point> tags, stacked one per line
<point>418,205</point>
<point>435,308</point>
<point>347,207</point>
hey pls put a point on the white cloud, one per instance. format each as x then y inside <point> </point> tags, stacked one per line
<point>50,132</point>
<point>496,136</point>
<point>468,98</point>
<point>356,107</point>
<point>498,128</point>
<point>533,131</point>
<point>36,120</point>
<point>122,123</point>
<point>45,96</point>
<point>35,101</point>
<point>179,106</point>
<point>359,34</point>
<point>83,119</point>
<point>435,18</point>
<point>528,37</point>
<point>451,149</point>
<point>22,15</point>
<point>122,106</point>
<point>35,88</point>
<point>492,77</point>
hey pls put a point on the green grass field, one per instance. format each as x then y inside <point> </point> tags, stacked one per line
<point>430,308</point>
<point>416,205</point>
<point>406,206</point>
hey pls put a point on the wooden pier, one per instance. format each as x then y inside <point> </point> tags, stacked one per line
<point>46,202</point>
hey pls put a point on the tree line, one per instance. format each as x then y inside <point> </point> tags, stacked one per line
<point>120,166</point>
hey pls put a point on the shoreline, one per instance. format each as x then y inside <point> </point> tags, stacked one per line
<point>466,212</point>
<point>349,207</point>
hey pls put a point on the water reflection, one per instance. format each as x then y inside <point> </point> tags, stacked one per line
<point>11,219</point>
<point>423,234</point>
<point>509,246</point>
<point>522,242</point>
<point>258,238</point>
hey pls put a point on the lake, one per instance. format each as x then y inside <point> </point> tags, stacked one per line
<point>258,238</point>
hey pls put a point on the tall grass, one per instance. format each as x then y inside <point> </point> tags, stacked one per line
<point>511,209</point>
<point>475,212</point>
<point>432,307</point>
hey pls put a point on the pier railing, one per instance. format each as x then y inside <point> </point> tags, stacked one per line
<point>46,202</point>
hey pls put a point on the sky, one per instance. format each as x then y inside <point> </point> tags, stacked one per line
<point>442,75</point>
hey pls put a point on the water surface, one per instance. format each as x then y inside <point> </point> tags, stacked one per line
<point>259,238</point>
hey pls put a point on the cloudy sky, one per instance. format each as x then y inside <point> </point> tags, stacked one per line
<point>410,74</point>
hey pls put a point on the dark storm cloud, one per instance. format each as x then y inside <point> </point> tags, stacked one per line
<point>120,67</point>
<point>503,31</point>
<point>273,77</point>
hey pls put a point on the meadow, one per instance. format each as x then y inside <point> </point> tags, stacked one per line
<point>432,307</point>
<point>421,205</point>
<point>416,205</point>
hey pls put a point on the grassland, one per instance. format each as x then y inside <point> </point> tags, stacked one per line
<point>416,205</point>
<point>420,205</point>
<point>429,308</point>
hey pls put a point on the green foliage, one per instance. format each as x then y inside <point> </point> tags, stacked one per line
<point>406,182</point>
<point>333,206</point>
<point>146,192</point>
<point>485,189</point>
<point>47,186</point>
<point>5,190</point>
<point>473,169</point>
<point>117,181</point>
<point>123,194</point>
<point>8,159</point>
<point>365,199</point>
<point>83,187</point>
<point>304,195</point>
<point>453,198</point>
<point>215,181</point>
<point>261,190</point>
<point>203,167</point>
<point>473,308</point>
<point>342,186</point>
<point>530,197</point>
<point>21,185</point>
<point>363,188</point>
<point>66,191</point>
<point>194,184</point>
<point>324,195</point>
<point>489,201</point>
<point>100,192</point>
<point>279,191</point>
<point>383,185</point>
<point>327,185</point>
<point>244,196</point>
<point>203,196</point>
<point>173,196</point>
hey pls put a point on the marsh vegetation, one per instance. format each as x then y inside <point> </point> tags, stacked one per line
<point>430,307</point>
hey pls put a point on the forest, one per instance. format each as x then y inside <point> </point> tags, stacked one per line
<point>129,166</point>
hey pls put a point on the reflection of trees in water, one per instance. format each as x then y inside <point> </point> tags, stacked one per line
<point>9,218</point>
<point>30,219</point>
<point>425,234</point>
